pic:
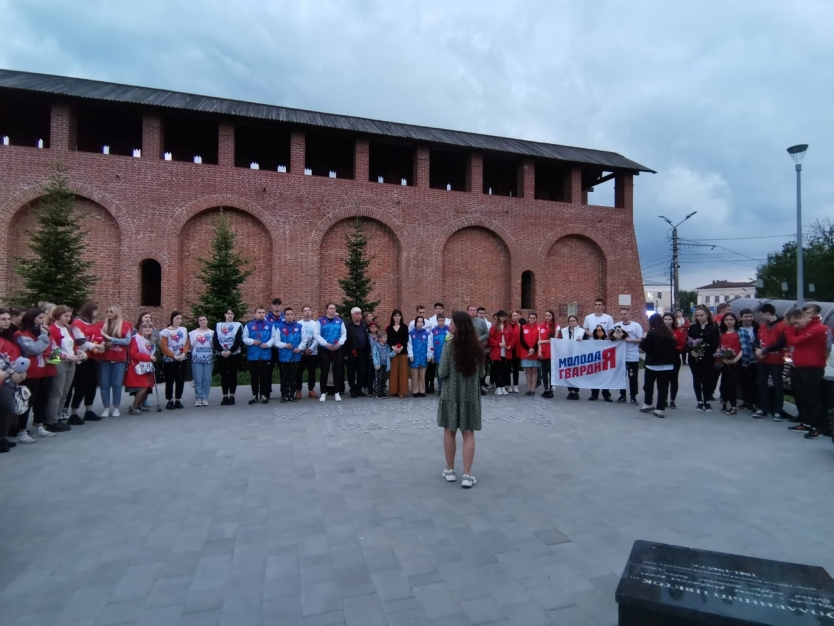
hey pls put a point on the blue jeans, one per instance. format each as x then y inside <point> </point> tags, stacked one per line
<point>111,377</point>
<point>202,379</point>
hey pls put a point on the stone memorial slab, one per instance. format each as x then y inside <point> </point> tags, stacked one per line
<point>672,585</point>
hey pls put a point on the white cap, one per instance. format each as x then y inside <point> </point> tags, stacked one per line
<point>355,309</point>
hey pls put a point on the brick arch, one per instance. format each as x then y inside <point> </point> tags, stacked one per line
<point>318,233</point>
<point>472,220</point>
<point>578,230</point>
<point>384,250</point>
<point>14,203</point>
<point>477,269</point>
<point>195,207</point>
<point>576,270</point>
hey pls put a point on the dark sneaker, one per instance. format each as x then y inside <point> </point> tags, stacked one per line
<point>231,400</point>
<point>178,404</point>
<point>700,407</point>
<point>90,416</point>
<point>4,445</point>
<point>813,434</point>
<point>672,405</point>
<point>264,399</point>
<point>609,399</point>
<point>57,427</point>
<point>382,395</point>
<point>74,420</point>
<point>224,401</point>
<point>799,428</point>
<point>759,414</point>
<point>593,398</point>
<point>283,400</point>
<point>707,407</point>
<point>634,401</point>
<point>254,400</point>
<point>621,400</point>
<point>170,405</point>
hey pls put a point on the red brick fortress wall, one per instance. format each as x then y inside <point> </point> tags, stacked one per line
<point>428,244</point>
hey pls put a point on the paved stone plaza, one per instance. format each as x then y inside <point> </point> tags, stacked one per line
<point>316,514</point>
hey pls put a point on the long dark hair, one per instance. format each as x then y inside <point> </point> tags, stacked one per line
<point>552,332</point>
<point>723,327</point>
<point>657,324</point>
<point>9,332</point>
<point>671,316</point>
<point>701,307</point>
<point>86,311</point>
<point>396,312</point>
<point>27,323</point>
<point>468,352</point>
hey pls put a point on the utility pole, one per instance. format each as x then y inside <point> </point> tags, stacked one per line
<point>674,283</point>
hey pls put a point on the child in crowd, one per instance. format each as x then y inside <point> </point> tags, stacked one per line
<point>418,354</point>
<point>381,355</point>
<point>439,335</point>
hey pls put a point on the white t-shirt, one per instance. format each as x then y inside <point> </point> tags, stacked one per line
<point>308,334</point>
<point>634,331</point>
<point>592,321</point>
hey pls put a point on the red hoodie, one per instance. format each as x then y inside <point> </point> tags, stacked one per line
<point>515,333</point>
<point>529,336</point>
<point>495,342</point>
<point>809,349</point>
<point>544,338</point>
<point>769,336</point>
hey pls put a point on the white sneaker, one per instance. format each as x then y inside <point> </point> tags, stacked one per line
<point>114,412</point>
<point>449,475</point>
<point>467,481</point>
<point>41,433</point>
<point>106,412</point>
<point>658,413</point>
<point>337,397</point>
<point>498,392</point>
<point>23,437</point>
<point>505,391</point>
<point>646,408</point>
<point>205,401</point>
<point>323,397</point>
<point>198,402</point>
<point>515,389</point>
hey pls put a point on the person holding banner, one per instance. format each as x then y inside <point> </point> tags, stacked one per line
<point>529,351</point>
<point>574,332</point>
<point>661,357</point>
<point>461,368</point>
<point>548,330</point>
<point>500,353</point>
<point>633,334</point>
<point>593,320</point>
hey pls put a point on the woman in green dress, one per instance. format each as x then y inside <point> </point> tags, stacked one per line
<point>461,368</point>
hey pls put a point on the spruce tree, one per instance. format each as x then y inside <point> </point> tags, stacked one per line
<point>222,275</point>
<point>357,286</point>
<point>57,271</point>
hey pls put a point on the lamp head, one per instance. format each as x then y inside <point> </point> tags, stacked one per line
<point>798,152</point>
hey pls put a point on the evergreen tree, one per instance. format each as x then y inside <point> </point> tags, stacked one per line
<point>357,286</point>
<point>57,271</point>
<point>222,275</point>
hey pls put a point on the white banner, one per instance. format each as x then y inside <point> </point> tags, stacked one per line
<point>595,364</point>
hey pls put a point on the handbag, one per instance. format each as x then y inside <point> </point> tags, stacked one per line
<point>144,367</point>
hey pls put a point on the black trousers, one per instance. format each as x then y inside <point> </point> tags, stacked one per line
<point>515,364</point>
<point>673,381</point>
<point>632,371</point>
<point>806,383</point>
<point>228,367</point>
<point>703,377</point>
<point>545,363</point>
<point>84,385</point>
<point>661,378</point>
<point>765,371</point>
<point>174,379</point>
<point>308,364</point>
<point>381,380</point>
<point>260,375</point>
<point>40,389</point>
<point>336,359</point>
<point>748,381</point>
<point>430,373</point>
<point>500,373</point>
<point>289,373</point>
<point>357,371</point>
<point>729,384</point>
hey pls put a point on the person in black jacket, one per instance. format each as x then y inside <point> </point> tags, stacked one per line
<point>702,342</point>
<point>661,356</point>
<point>357,350</point>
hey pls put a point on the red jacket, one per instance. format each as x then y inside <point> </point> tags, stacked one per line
<point>544,338</point>
<point>528,336</point>
<point>515,331</point>
<point>680,339</point>
<point>31,346</point>
<point>495,342</point>
<point>809,349</point>
<point>93,334</point>
<point>769,335</point>
<point>9,349</point>
<point>132,379</point>
<point>730,340</point>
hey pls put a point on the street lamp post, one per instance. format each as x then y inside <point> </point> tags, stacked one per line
<point>673,274</point>
<point>797,153</point>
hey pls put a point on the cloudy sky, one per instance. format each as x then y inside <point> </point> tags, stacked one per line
<point>709,93</point>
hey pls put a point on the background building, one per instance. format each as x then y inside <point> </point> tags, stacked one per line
<point>658,298</point>
<point>723,291</point>
<point>452,216</point>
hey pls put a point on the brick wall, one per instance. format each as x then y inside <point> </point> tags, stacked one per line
<point>428,244</point>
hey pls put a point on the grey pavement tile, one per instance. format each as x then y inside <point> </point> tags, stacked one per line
<point>325,619</point>
<point>572,615</point>
<point>436,601</point>
<point>552,536</point>
<point>406,604</point>
<point>120,612</point>
<point>410,617</point>
<point>483,610</point>
<point>203,618</point>
<point>320,597</point>
<point>364,610</point>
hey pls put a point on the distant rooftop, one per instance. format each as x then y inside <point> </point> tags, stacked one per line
<point>114,92</point>
<point>726,284</point>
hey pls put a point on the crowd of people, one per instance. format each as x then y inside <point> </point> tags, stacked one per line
<point>55,359</point>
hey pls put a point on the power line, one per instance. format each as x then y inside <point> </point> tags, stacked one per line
<point>744,238</point>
